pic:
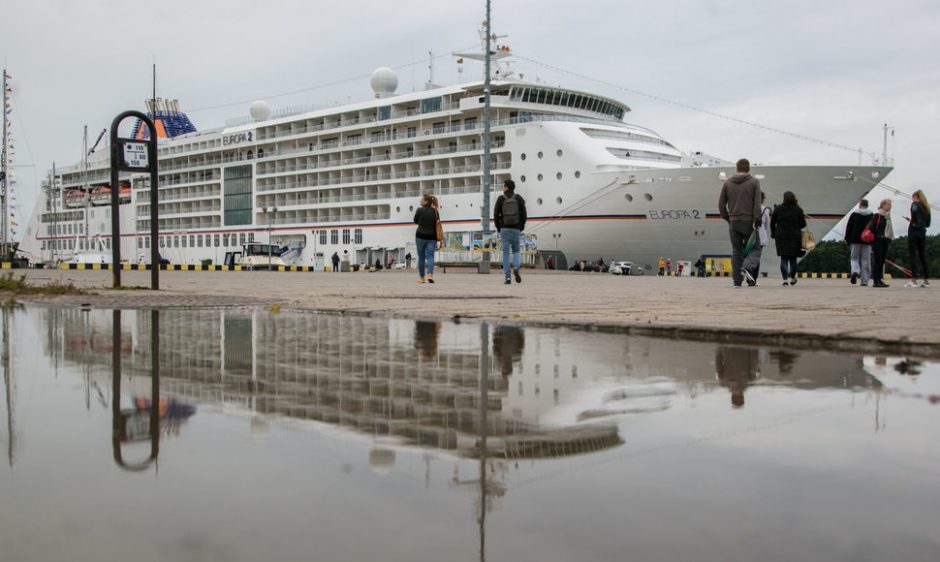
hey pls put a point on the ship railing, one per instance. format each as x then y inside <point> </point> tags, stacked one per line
<point>361,178</point>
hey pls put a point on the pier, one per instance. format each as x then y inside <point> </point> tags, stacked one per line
<point>817,313</point>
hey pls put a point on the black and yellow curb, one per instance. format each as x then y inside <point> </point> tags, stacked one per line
<point>178,267</point>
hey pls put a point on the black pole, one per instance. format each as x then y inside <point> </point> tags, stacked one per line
<point>126,155</point>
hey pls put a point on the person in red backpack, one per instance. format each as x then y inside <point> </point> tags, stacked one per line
<point>509,215</point>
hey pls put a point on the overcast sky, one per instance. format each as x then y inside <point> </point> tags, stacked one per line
<point>834,70</point>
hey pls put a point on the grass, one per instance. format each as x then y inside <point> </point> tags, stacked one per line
<point>19,286</point>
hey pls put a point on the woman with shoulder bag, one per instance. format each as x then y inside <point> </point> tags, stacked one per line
<point>880,225</point>
<point>426,237</point>
<point>786,227</point>
<point>917,237</point>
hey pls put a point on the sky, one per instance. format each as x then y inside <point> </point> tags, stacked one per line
<point>835,71</point>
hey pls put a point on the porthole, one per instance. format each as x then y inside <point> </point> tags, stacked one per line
<point>559,153</point>
<point>540,154</point>
<point>539,177</point>
<point>522,156</point>
<point>411,207</point>
<point>558,176</point>
<point>539,200</point>
<point>522,178</point>
<point>558,200</point>
<point>577,173</point>
<point>628,197</point>
<point>397,209</point>
<point>648,197</point>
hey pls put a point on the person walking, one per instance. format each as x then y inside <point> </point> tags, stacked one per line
<point>427,218</point>
<point>881,227</point>
<point>859,252</point>
<point>751,264</point>
<point>917,237</point>
<point>739,205</point>
<point>408,260</point>
<point>700,267</point>
<point>668,267</point>
<point>679,269</point>
<point>786,226</point>
<point>662,267</point>
<point>509,214</point>
<point>335,260</point>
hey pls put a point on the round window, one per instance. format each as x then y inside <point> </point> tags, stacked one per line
<point>397,209</point>
<point>540,177</point>
<point>628,197</point>
<point>558,175</point>
<point>539,200</point>
<point>558,200</point>
<point>559,153</point>
<point>648,197</point>
<point>522,156</point>
<point>411,207</point>
<point>577,173</point>
<point>522,178</point>
<point>540,154</point>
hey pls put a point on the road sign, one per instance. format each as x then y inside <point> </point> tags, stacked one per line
<point>135,155</point>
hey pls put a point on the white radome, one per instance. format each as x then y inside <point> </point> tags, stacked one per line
<point>384,81</point>
<point>259,110</point>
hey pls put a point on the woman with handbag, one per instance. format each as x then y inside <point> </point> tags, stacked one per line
<point>786,227</point>
<point>917,237</point>
<point>880,225</point>
<point>427,236</point>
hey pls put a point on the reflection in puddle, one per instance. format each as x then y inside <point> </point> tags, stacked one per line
<point>478,413</point>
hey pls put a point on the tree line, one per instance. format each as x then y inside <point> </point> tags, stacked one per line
<point>833,256</point>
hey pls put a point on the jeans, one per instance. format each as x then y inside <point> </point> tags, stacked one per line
<point>879,252</point>
<point>788,267</point>
<point>861,261</point>
<point>917,247</point>
<point>510,240</point>
<point>739,231</point>
<point>426,250</point>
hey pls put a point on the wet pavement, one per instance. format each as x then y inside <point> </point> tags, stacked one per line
<point>243,434</point>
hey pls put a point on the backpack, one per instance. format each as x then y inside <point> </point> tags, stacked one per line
<point>511,216</point>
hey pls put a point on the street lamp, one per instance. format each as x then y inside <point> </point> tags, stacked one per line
<point>269,218</point>
<point>556,236</point>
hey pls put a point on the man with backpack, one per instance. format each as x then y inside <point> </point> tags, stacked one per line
<point>860,252</point>
<point>509,215</point>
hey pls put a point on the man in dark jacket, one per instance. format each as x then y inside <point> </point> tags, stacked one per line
<point>509,215</point>
<point>335,260</point>
<point>739,204</point>
<point>860,260</point>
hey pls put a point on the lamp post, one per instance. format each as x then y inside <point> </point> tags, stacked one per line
<point>556,236</point>
<point>269,218</point>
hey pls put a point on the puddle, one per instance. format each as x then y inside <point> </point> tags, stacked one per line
<point>247,435</point>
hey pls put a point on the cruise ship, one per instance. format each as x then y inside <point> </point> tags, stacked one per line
<point>347,180</point>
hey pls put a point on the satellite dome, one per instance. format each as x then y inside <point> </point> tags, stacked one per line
<point>384,82</point>
<point>259,110</point>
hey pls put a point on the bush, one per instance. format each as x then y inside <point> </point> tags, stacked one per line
<point>833,256</point>
<point>206,262</point>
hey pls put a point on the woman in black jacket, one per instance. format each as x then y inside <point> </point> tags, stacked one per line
<point>917,237</point>
<point>786,227</point>
<point>426,217</point>
<point>880,225</point>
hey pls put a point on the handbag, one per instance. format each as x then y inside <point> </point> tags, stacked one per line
<point>867,237</point>
<point>809,241</point>
<point>439,229</point>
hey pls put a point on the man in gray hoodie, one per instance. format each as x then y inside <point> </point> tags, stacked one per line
<point>860,252</point>
<point>739,204</point>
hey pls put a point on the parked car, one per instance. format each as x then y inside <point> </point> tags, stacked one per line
<point>621,268</point>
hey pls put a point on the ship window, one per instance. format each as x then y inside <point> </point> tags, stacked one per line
<point>438,127</point>
<point>323,237</point>
<point>251,236</point>
<point>140,243</point>
<point>147,243</point>
<point>176,241</point>
<point>412,132</point>
<point>577,173</point>
<point>224,240</point>
<point>558,176</point>
<point>241,239</point>
<point>385,112</point>
<point>540,154</point>
<point>558,200</point>
<point>334,237</point>
<point>199,240</point>
<point>469,123</point>
<point>192,240</point>
<point>162,243</point>
<point>215,240</point>
<point>358,236</point>
<point>522,156</point>
<point>430,105</point>
<point>237,198</point>
<point>345,236</point>
<point>648,197</point>
<point>559,153</point>
<point>541,97</point>
<point>539,200</point>
<point>539,177</point>
<point>522,179</point>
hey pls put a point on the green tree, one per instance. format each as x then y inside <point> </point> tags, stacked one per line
<point>832,256</point>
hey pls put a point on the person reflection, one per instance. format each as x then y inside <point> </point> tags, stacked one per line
<point>736,368</point>
<point>508,343</point>
<point>426,338</point>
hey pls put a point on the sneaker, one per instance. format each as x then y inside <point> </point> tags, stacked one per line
<point>793,280</point>
<point>925,284</point>
<point>911,285</point>
<point>508,281</point>
<point>854,278</point>
<point>515,272</point>
<point>880,285</point>
<point>750,278</point>
<point>430,279</point>
<point>786,283</point>
<point>421,280</point>
<point>737,286</point>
